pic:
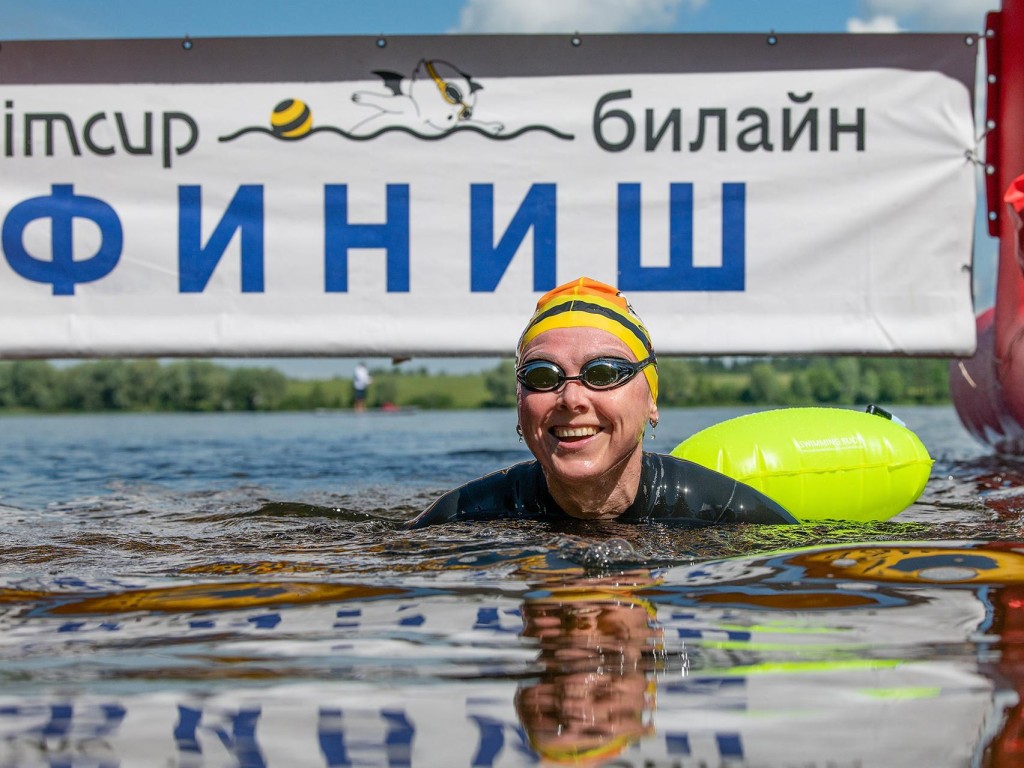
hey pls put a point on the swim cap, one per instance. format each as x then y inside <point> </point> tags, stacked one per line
<point>592,304</point>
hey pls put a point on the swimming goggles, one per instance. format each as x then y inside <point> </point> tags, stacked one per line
<point>449,92</point>
<point>599,374</point>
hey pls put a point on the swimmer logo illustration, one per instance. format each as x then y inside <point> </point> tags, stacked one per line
<point>437,102</point>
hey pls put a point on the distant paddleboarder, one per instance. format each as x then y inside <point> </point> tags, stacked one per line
<point>361,381</point>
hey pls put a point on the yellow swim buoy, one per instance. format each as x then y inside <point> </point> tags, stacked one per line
<point>818,463</point>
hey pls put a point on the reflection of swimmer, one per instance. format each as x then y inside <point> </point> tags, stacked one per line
<point>595,695</point>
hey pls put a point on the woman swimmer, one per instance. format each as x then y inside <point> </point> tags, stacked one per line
<point>582,413</point>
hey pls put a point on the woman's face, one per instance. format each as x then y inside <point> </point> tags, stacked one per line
<point>575,432</point>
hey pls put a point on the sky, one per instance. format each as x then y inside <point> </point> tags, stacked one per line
<point>69,19</point>
<point>102,19</point>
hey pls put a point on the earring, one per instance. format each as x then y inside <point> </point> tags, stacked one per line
<point>519,431</point>
<point>654,426</point>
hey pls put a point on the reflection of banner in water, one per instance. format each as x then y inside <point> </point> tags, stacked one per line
<point>1004,640</point>
<point>743,653</point>
<point>231,596</point>
<point>982,563</point>
<point>764,719</point>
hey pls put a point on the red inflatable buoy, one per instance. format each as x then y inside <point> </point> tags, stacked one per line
<point>988,388</point>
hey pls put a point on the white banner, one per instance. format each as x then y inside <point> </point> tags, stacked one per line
<point>414,196</point>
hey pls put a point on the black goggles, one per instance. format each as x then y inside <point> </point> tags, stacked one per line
<point>600,373</point>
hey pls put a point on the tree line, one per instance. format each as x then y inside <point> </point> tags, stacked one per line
<point>198,385</point>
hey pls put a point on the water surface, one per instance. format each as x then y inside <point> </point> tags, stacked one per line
<point>237,590</point>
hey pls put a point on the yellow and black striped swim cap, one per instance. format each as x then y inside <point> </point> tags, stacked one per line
<point>592,304</point>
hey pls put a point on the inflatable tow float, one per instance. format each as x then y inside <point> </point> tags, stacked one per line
<point>819,463</point>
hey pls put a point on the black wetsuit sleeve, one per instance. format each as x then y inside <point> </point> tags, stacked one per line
<point>514,493</point>
<point>677,490</point>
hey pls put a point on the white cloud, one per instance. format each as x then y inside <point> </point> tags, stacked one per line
<point>935,15</point>
<point>537,16</point>
<point>875,24</point>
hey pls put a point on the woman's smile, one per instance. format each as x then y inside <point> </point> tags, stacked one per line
<point>573,433</point>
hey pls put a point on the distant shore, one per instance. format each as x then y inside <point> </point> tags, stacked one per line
<point>203,386</point>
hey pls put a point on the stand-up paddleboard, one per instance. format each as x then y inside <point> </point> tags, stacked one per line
<point>819,463</point>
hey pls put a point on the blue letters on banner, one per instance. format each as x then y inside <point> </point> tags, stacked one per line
<point>681,274</point>
<point>488,261</point>
<point>63,271</point>
<point>340,236</point>
<point>197,262</point>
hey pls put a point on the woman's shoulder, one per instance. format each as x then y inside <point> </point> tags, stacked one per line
<point>684,491</point>
<point>666,464</point>
<point>505,493</point>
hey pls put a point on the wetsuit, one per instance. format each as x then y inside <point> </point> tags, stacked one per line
<point>671,490</point>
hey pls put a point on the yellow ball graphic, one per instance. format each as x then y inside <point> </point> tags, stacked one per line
<point>291,119</point>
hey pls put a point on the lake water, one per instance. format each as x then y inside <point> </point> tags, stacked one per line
<point>236,590</point>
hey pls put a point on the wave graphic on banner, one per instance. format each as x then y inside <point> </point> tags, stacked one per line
<point>435,101</point>
<point>400,129</point>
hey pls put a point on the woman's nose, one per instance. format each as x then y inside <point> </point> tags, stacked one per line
<point>574,395</point>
